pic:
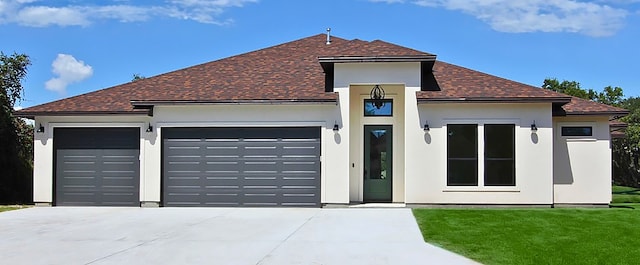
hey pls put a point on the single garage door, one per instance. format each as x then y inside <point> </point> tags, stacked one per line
<point>241,167</point>
<point>97,166</point>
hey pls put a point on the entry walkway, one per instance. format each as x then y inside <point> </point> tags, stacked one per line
<point>61,235</point>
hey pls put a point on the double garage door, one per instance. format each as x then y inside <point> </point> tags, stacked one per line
<point>241,167</point>
<point>200,167</point>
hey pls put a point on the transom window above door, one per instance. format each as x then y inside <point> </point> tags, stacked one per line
<point>378,107</point>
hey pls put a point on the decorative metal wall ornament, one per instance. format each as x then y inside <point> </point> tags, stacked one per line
<point>377,94</point>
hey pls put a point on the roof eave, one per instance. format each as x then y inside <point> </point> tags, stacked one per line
<point>561,100</point>
<point>596,113</point>
<point>32,115</point>
<point>142,103</point>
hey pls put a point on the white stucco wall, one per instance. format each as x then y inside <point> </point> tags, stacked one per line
<point>354,82</point>
<point>334,179</point>
<point>334,182</point>
<point>582,169</point>
<point>43,147</point>
<point>426,172</point>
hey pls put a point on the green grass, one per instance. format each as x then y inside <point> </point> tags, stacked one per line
<point>4,208</point>
<point>623,194</point>
<point>535,236</point>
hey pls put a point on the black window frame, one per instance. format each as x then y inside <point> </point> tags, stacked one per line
<point>385,101</point>
<point>455,165</point>
<point>576,131</point>
<point>497,153</point>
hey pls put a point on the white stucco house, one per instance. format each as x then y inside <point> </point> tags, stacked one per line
<point>317,122</point>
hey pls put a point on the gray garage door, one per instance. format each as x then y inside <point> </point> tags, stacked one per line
<point>97,166</point>
<point>241,167</point>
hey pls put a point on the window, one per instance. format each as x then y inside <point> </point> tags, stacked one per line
<point>384,108</point>
<point>499,155</point>
<point>577,131</point>
<point>462,154</point>
<point>497,160</point>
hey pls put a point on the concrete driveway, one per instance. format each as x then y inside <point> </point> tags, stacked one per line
<point>62,235</point>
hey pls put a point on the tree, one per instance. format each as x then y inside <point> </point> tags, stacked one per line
<point>625,151</point>
<point>571,88</point>
<point>16,136</point>
<point>609,95</point>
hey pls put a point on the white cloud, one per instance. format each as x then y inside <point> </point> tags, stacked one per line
<point>40,16</point>
<point>589,18</point>
<point>68,70</point>
<point>36,13</point>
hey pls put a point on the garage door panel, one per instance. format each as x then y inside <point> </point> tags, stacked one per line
<point>221,166</point>
<point>241,166</point>
<point>97,166</point>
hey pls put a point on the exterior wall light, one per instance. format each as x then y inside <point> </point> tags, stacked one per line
<point>426,127</point>
<point>150,128</point>
<point>534,128</point>
<point>336,128</point>
<point>40,128</point>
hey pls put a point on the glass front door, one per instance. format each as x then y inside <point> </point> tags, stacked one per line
<point>377,163</point>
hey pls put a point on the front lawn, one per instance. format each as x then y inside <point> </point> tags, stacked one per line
<point>10,208</point>
<point>623,194</point>
<point>535,236</point>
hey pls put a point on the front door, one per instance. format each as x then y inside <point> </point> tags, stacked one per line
<point>377,163</point>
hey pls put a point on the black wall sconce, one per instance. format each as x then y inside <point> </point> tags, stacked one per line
<point>426,127</point>
<point>534,128</point>
<point>336,128</point>
<point>40,128</point>
<point>150,128</point>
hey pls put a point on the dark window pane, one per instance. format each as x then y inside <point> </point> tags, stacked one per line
<point>462,154</point>
<point>499,173</point>
<point>499,155</point>
<point>462,140</point>
<point>378,154</point>
<point>499,140</point>
<point>462,172</point>
<point>577,131</point>
<point>382,107</point>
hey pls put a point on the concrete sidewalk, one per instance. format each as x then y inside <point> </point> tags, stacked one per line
<point>62,235</point>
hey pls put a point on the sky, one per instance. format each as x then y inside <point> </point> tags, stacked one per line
<point>78,46</point>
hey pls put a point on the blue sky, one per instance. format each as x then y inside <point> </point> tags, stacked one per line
<point>82,46</point>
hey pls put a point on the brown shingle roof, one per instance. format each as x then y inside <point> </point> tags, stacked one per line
<point>290,72</point>
<point>460,84</point>
<point>579,106</point>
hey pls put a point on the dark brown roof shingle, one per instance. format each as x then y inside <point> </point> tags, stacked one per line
<point>579,106</point>
<point>291,72</point>
<point>462,84</point>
